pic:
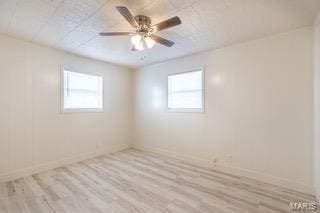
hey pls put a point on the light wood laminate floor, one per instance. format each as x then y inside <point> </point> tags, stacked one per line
<point>136,181</point>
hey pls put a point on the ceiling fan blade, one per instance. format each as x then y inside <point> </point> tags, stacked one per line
<point>115,34</point>
<point>127,15</point>
<point>167,24</point>
<point>162,41</point>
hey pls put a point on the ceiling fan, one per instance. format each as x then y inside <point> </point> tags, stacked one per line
<point>143,36</point>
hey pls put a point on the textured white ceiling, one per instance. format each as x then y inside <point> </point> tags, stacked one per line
<point>73,25</point>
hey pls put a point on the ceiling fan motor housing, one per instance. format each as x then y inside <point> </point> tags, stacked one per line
<point>143,20</point>
<point>144,23</point>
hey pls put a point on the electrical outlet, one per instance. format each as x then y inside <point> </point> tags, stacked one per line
<point>229,158</point>
<point>214,161</point>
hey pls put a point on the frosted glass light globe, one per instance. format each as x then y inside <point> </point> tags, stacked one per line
<point>141,42</point>
<point>136,40</point>
<point>149,42</point>
<point>140,46</point>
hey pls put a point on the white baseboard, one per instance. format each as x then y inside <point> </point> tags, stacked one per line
<point>294,185</point>
<point>318,194</point>
<point>58,163</point>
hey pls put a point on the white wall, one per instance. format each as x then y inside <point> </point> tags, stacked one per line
<point>34,135</point>
<point>317,108</point>
<point>258,108</point>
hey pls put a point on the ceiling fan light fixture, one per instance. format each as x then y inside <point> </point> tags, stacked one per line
<point>144,37</point>
<point>149,42</point>
<point>139,47</point>
<point>141,42</point>
<point>136,39</point>
<point>138,42</point>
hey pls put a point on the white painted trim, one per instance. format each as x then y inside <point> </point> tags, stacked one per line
<point>234,170</point>
<point>316,106</point>
<point>188,110</point>
<point>59,163</point>
<point>317,20</point>
<point>79,110</point>
<point>317,194</point>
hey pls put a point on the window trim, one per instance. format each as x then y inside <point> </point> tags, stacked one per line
<point>188,110</point>
<point>78,110</point>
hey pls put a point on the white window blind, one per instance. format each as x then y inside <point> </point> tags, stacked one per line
<point>185,91</point>
<point>82,91</point>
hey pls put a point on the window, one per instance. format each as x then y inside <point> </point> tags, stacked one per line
<point>185,92</point>
<point>82,92</point>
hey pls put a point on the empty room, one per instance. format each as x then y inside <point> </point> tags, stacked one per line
<point>129,106</point>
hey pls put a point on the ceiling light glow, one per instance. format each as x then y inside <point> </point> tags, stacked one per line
<point>142,42</point>
<point>149,42</point>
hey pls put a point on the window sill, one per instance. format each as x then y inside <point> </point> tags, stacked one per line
<point>81,110</point>
<point>186,110</point>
